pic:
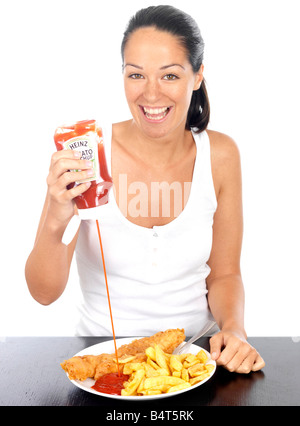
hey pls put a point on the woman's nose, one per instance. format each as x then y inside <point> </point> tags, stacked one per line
<point>152,91</point>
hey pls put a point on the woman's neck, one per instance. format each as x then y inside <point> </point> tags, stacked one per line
<point>159,152</point>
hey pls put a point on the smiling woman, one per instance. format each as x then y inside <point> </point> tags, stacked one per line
<point>160,92</point>
<point>165,270</point>
<point>189,39</point>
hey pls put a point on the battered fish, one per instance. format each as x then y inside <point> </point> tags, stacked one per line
<point>95,366</point>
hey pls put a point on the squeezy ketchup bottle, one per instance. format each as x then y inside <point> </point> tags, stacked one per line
<point>87,138</point>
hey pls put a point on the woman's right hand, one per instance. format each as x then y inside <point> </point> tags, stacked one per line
<point>48,265</point>
<point>61,199</point>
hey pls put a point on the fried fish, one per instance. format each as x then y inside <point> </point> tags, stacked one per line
<point>95,366</point>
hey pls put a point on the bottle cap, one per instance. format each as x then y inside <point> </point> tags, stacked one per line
<point>73,225</point>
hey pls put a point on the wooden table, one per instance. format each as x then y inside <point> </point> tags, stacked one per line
<point>30,375</point>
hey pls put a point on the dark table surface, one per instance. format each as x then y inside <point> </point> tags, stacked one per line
<point>30,375</point>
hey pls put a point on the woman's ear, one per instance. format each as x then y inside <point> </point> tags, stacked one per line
<point>199,78</point>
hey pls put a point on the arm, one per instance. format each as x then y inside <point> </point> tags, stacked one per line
<point>48,265</point>
<point>225,287</point>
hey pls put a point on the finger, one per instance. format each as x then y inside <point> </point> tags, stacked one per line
<point>66,164</point>
<point>65,153</point>
<point>258,364</point>
<point>228,353</point>
<point>77,190</point>
<point>71,177</point>
<point>60,183</point>
<point>244,366</point>
<point>216,342</point>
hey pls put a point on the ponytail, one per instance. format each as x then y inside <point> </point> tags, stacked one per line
<point>199,110</point>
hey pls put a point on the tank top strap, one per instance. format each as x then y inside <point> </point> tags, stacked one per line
<point>202,175</point>
<point>203,147</point>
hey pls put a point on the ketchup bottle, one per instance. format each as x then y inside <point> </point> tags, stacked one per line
<point>86,137</point>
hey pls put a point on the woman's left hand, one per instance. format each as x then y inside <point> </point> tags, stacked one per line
<point>233,352</point>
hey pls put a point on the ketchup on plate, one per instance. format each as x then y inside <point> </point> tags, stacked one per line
<point>111,383</point>
<point>86,137</point>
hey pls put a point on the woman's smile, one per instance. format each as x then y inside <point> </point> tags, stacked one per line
<point>155,114</point>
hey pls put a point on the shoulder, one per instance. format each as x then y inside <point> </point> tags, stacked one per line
<point>225,158</point>
<point>223,147</point>
<point>120,134</point>
<point>120,128</point>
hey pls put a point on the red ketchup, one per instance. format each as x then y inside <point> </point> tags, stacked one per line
<point>111,383</point>
<point>86,137</point>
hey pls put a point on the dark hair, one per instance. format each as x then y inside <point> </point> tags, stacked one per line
<point>184,27</point>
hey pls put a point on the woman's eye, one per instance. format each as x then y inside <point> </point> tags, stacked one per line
<point>170,77</point>
<point>135,76</point>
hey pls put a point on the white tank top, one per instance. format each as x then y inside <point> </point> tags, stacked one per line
<point>157,276</point>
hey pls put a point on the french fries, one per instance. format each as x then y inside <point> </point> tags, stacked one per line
<point>165,373</point>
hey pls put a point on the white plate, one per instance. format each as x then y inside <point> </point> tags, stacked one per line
<point>108,347</point>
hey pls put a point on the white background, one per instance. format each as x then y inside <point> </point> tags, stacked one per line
<point>60,62</point>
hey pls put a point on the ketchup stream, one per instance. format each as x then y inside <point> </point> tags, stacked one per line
<point>108,298</point>
<point>66,137</point>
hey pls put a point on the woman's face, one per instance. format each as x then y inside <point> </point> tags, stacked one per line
<point>159,81</point>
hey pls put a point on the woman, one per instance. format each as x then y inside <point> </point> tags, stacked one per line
<point>173,229</point>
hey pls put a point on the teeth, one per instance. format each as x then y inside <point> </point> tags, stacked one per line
<point>158,117</point>
<point>155,110</point>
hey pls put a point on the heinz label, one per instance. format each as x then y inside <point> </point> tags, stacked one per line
<point>87,145</point>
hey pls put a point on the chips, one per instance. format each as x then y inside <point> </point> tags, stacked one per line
<point>165,373</point>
